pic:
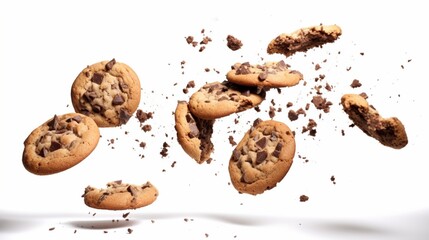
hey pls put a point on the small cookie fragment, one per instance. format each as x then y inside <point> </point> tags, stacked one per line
<point>233,43</point>
<point>60,143</point>
<point>120,196</point>
<point>269,74</point>
<point>107,91</point>
<point>304,39</point>
<point>219,99</point>
<point>193,134</point>
<point>388,131</point>
<point>262,158</point>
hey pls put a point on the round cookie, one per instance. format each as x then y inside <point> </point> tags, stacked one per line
<point>120,196</point>
<point>193,134</point>
<point>304,39</point>
<point>270,74</point>
<point>107,91</point>
<point>262,158</point>
<point>388,131</point>
<point>60,143</point>
<point>219,99</point>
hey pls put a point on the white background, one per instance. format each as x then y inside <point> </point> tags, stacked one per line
<point>380,193</point>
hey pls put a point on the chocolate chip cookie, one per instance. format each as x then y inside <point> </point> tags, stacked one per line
<point>107,91</point>
<point>262,158</point>
<point>120,196</point>
<point>269,74</point>
<point>304,39</point>
<point>219,99</point>
<point>388,131</point>
<point>193,134</point>
<point>60,143</point>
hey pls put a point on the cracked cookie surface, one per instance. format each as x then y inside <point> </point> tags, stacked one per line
<point>120,196</point>
<point>219,99</point>
<point>60,143</point>
<point>269,74</point>
<point>193,134</point>
<point>388,131</point>
<point>107,91</point>
<point>304,39</point>
<point>262,158</point>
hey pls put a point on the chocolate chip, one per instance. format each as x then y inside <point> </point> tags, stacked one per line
<point>133,190</point>
<point>110,64</point>
<point>194,132</point>
<point>262,76</point>
<point>117,100</point>
<point>89,96</point>
<point>77,118</point>
<point>53,124</point>
<point>189,118</point>
<point>236,155</point>
<point>54,146</point>
<point>97,78</point>
<point>124,116</point>
<point>262,142</point>
<point>97,108</point>
<point>124,87</point>
<point>261,156</point>
<point>44,152</point>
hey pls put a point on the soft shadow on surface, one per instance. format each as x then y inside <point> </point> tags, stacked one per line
<point>16,224</point>
<point>102,224</point>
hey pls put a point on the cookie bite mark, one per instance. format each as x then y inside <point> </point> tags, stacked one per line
<point>269,74</point>
<point>388,131</point>
<point>193,134</point>
<point>60,143</point>
<point>120,196</point>
<point>108,92</point>
<point>304,39</point>
<point>219,99</point>
<point>262,158</point>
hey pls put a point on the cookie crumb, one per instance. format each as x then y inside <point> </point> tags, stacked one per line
<point>333,179</point>
<point>52,228</point>
<point>129,230</point>
<point>303,198</point>
<point>233,43</point>
<point>355,84</point>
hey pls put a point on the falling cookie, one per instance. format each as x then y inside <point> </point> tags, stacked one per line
<point>269,74</point>
<point>107,91</point>
<point>304,39</point>
<point>388,131</point>
<point>262,158</point>
<point>219,99</point>
<point>193,134</point>
<point>60,143</point>
<point>120,196</point>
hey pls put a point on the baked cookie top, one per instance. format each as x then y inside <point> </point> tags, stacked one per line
<point>388,131</point>
<point>60,143</point>
<point>193,134</point>
<point>120,196</point>
<point>304,39</point>
<point>107,91</point>
<point>220,99</point>
<point>262,158</point>
<point>269,74</point>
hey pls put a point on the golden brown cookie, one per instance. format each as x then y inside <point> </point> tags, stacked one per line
<point>60,143</point>
<point>269,74</point>
<point>193,134</point>
<point>120,196</point>
<point>262,158</point>
<point>388,131</point>
<point>304,39</point>
<point>107,91</point>
<point>219,99</point>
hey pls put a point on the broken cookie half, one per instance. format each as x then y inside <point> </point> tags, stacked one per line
<point>388,131</point>
<point>304,39</point>
<point>120,196</point>
<point>193,133</point>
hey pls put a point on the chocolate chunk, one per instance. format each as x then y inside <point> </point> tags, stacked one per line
<point>133,190</point>
<point>44,152</point>
<point>54,146</point>
<point>97,108</point>
<point>262,142</point>
<point>261,156</point>
<point>117,100</point>
<point>123,86</point>
<point>124,116</point>
<point>194,132</point>
<point>236,155</point>
<point>97,78</point>
<point>263,76</point>
<point>77,118</point>
<point>292,115</point>
<point>281,65</point>
<point>53,124</point>
<point>89,96</point>
<point>110,64</point>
